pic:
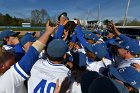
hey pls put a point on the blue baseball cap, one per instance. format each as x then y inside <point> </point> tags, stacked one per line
<point>128,75</point>
<point>7,33</point>
<point>30,33</point>
<point>27,38</point>
<point>131,45</point>
<point>57,48</point>
<point>100,50</point>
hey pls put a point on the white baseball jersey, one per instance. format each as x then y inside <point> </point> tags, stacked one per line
<point>44,75</point>
<point>128,62</point>
<point>7,47</point>
<point>13,82</point>
<point>97,65</point>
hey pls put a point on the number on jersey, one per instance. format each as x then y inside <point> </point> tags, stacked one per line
<point>41,86</point>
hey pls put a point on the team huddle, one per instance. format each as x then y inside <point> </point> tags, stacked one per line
<point>65,59</point>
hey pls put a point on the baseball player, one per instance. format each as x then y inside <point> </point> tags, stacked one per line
<point>21,71</point>
<point>11,43</point>
<point>128,48</point>
<point>9,39</point>
<point>45,72</point>
<point>7,59</point>
<point>98,49</point>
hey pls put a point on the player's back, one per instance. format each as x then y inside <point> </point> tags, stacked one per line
<point>44,75</point>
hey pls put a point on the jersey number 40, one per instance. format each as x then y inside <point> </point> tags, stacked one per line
<point>41,86</point>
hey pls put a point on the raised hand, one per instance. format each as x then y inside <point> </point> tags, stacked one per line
<point>136,66</point>
<point>49,29</point>
<point>113,27</point>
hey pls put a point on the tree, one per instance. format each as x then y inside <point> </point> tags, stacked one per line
<point>119,23</point>
<point>35,16</point>
<point>54,19</point>
<point>44,16</point>
<point>7,20</point>
<point>39,16</point>
<point>133,22</point>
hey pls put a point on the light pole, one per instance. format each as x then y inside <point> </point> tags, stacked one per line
<point>125,17</point>
<point>98,12</point>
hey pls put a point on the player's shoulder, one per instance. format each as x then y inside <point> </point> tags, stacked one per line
<point>46,64</point>
<point>39,62</point>
<point>42,63</point>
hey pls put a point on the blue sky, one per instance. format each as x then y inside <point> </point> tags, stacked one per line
<point>111,9</point>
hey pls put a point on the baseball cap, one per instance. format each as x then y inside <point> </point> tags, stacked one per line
<point>57,48</point>
<point>64,14</point>
<point>106,85</point>
<point>30,33</point>
<point>127,74</point>
<point>7,33</point>
<point>99,50</point>
<point>27,38</point>
<point>130,45</point>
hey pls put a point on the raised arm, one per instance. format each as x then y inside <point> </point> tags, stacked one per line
<point>73,38</point>
<point>120,35</point>
<point>60,30</point>
<point>26,63</point>
<point>79,34</point>
<point>12,79</point>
